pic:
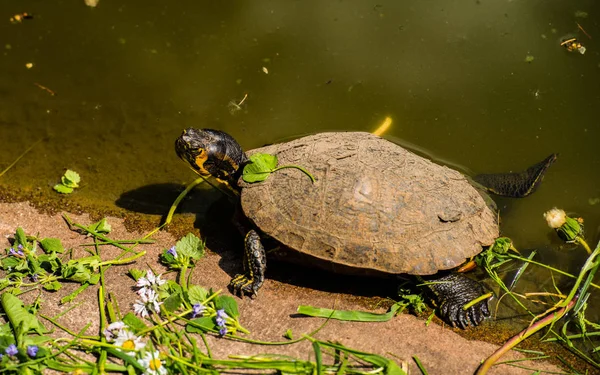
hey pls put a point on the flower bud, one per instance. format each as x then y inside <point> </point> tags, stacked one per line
<point>568,229</point>
<point>555,218</point>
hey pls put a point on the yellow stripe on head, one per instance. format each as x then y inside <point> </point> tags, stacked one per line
<point>200,160</point>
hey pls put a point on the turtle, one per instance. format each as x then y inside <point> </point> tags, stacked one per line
<point>374,208</point>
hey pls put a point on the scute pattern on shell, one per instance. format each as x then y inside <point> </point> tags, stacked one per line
<point>374,206</point>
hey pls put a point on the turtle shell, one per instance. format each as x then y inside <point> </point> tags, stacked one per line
<point>374,206</point>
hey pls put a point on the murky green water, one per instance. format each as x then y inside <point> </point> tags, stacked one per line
<point>130,76</point>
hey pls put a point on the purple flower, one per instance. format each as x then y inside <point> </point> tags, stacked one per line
<point>32,350</point>
<point>17,253</point>
<point>223,331</point>
<point>221,316</point>
<point>197,309</point>
<point>11,350</point>
<point>173,252</point>
<point>34,277</point>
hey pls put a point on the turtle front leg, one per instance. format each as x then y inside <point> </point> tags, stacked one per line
<point>255,265</point>
<point>452,292</point>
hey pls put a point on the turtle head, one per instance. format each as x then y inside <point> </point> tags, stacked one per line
<point>211,153</point>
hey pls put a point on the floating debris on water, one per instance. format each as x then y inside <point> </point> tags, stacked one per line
<point>18,18</point>
<point>573,45</point>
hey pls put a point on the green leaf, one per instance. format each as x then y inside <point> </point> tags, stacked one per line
<point>63,189</point>
<point>50,262</point>
<point>173,302</point>
<point>197,294</point>
<point>4,283</point>
<point>21,238</point>
<point>20,319</point>
<point>201,325</point>
<point>76,272</point>
<point>33,264</point>
<point>52,245</point>
<point>190,246</point>
<point>53,286</point>
<point>13,263</point>
<point>259,167</point>
<point>168,259</point>
<point>94,279</point>
<point>288,334</point>
<point>81,269</point>
<point>351,315</point>
<point>135,323</point>
<point>228,304</point>
<point>136,274</point>
<point>100,227</point>
<point>71,179</point>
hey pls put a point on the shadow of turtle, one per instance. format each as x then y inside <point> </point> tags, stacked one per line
<point>214,213</point>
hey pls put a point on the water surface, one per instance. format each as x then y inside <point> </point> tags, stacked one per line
<point>452,75</point>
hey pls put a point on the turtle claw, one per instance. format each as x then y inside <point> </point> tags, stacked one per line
<point>453,292</point>
<point>242,285</point>
<point>454,314</point>
<point>255,264</point>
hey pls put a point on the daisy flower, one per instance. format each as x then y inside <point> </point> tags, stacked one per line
<point>127,341</point>
<point>152,363</point>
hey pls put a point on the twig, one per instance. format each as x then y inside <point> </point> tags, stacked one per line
<point>581,28</point>
<point>20,156</point>
<point>45,89</point>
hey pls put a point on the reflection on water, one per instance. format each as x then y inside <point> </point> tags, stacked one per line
<point>452,75</point>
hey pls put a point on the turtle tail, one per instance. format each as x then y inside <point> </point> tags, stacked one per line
<point>516,185</point>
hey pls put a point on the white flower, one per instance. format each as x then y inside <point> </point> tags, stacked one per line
<point>555,218</point>
<point>153,364</point>
<point>148,303</point>
<point>150,280</point>
<point>113,330</point>
<point>128,342</point>
<point>139,307</point>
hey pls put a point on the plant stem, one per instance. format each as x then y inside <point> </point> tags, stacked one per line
<point>477,300</point>
<point>297,167</point>
<point>123,261</point>
<point>585,245</point>
<point>515,340</point>
<point>587,271</point>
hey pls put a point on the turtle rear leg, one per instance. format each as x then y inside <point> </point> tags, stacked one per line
<point>452,292</point>
<point>255,265</point>
<point>516,185</point>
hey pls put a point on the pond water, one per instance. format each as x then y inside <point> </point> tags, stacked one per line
<point>480,85</point>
